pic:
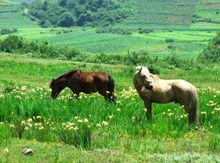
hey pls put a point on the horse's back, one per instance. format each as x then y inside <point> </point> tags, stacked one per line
<point>183,85</point>
<point>89,82</point>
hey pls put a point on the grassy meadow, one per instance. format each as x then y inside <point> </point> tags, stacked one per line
<point>90,126</point>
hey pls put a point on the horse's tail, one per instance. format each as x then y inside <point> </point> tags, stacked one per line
<point>111,87</point>
<point>194,119</point>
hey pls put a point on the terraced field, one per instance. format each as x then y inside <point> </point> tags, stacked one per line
<point>186,43</point>
<point>162,14</point>
<point>11,16</point>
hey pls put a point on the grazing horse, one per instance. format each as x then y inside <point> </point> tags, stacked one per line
<point>86,82</point>
<point>152,89</point>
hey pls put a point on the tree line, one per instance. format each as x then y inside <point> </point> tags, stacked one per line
<point>67,13</point>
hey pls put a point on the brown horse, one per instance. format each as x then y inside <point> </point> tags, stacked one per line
<point>152,89</point>
<point>86,82</point>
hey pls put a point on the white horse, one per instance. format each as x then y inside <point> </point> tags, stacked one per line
<point>153,89</point>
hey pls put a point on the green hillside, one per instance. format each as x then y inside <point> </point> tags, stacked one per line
<point>192,26</point>
<point>67,13</point>
<point>11,16</point>
<point>5,3</point>
<point>162,14</point>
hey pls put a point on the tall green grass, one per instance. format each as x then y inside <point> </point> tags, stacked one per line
<point>27,111</point>
<point>30,113</point>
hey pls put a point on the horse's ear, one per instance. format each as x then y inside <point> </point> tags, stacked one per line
<point>138,69</point>
<point>51,84</point>
<point>77,74</point>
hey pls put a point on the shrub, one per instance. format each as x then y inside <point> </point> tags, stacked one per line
<point>11,44</point>
<point>169,40</point>
<point>212,52</point>
<point>145,30</point>
<point>71,53</point>
<point>113,31</point>
<point>8,31</point>
<point>170,46</point>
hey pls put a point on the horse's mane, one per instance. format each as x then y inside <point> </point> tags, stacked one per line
<point>155,77</point>
<point>68,74</point>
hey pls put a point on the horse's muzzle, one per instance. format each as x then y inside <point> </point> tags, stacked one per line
<point>54,96</point>
<point>149,86</point>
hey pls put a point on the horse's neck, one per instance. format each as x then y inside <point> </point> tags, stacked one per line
<point>155,78</point>
<point>64,83</point>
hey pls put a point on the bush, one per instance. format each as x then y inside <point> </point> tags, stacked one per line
<point>145,30</point>
<point>67,20</point>
<point>113,31</point>
<point>170,46</point>
<point>8,31</point>
<point>14,43</point>
<point>11,43</point>
<point>212,52</point>
<point>71,53</point>
<point>169,40</point>
<point>154,69</point>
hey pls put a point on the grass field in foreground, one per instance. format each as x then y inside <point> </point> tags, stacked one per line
<point>104,131</point>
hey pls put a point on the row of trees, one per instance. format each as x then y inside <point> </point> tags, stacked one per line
<point>68,13</point>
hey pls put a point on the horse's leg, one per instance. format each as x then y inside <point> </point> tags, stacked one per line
<point>104,94</point>
<point>148,106</point>
<point>192,118</point>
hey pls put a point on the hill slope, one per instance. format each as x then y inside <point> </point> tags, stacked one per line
<point>159,13</point>
<point>189,39</point>
<point>11,16</point>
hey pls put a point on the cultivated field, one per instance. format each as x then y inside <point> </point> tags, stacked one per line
<point>189,39</point>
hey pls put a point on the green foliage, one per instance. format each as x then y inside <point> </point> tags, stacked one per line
<point>8,31</point>
<point>66,13</point>
<point>145,30</point>
<point>15,43</point>
<point>214,143</point>
<point>11,44</point>
<point>113,31</point>
<point>212,52</point>
<point>169,40</point>
<point>5,134</point>
<point>67,20</point>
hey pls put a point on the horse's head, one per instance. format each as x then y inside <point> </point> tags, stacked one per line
<point>145,77</point>
<point>56,88</point>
